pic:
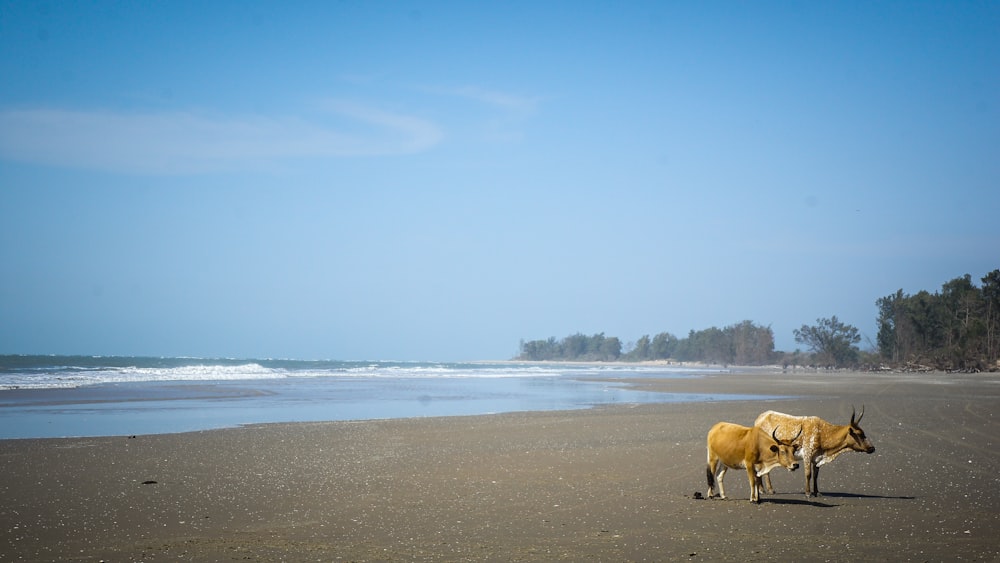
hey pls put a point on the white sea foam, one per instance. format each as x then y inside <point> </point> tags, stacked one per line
<point>74,376</point>
<point>94,371</point>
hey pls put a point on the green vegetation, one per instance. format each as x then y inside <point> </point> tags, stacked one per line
<point>832,342</point>
<point>957,328</point>
<point>745,343</point>
<point>575,347</point>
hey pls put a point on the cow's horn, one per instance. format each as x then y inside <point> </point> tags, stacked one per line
<point>774,434</point>
<point>786,442</point>
<point>858,421</point>
<point>852,415</point>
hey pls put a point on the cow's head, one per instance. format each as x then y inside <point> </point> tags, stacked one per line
<point>784,450</point>
<point>858,441</point>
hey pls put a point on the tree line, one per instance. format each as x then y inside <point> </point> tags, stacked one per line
<point>576,347</point>
<point>955,328</point>
<point>745,343</point>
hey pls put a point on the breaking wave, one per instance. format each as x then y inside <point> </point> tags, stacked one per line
<point>49,372</point>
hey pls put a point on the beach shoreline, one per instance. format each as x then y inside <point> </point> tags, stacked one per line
<point>613,483</point>
<point>63,397</point>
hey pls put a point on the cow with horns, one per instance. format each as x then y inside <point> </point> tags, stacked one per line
<point>818,443</point>
<point>739,447</point>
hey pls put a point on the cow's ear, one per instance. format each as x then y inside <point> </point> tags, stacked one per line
<point>774,448</point>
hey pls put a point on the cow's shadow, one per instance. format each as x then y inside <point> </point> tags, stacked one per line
<point>859,495</point>
<point>795,501</point>
<point>818,501</point>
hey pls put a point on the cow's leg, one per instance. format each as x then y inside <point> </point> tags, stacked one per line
<point>719,477</point>
<point>767,483</point>
<point>812,479</point>
<point>754,483</point>
<point>714,473</point>
<point>760,487</point>
<point>710,475</point>
<point>810,465</point>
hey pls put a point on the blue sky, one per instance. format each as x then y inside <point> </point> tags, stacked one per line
<point>437,181</point>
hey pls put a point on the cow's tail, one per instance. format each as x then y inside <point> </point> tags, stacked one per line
<point>710,475</point>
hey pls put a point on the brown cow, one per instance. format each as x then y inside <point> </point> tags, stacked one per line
<point>739,447</point>
<point>818,443</point>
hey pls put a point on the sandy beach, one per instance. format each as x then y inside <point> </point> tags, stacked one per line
<point>609,484</point>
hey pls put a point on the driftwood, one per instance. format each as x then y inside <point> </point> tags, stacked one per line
<point>913,367</point>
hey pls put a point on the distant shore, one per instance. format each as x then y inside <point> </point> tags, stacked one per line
<point>609,484</point>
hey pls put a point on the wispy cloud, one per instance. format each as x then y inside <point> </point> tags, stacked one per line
<point>187,142</point>
<point>507,113</point>
<point>511,102</point>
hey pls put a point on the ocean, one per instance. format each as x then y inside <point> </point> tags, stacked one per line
<point>75,396</point>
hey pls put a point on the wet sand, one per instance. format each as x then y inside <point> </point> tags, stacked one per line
<point>610,484</point>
